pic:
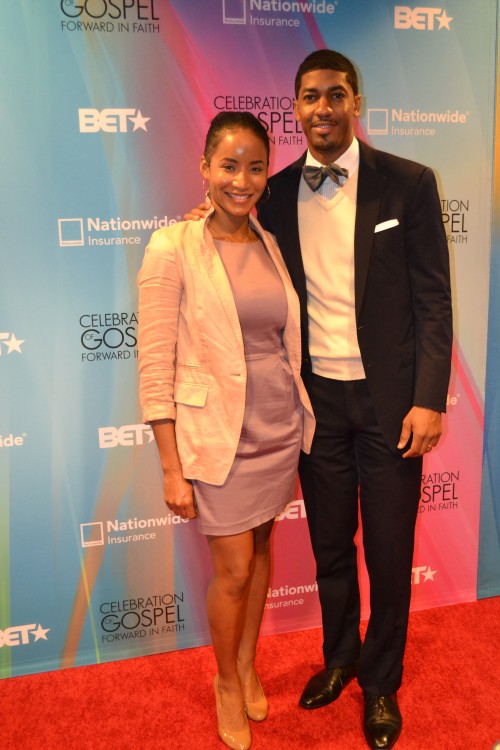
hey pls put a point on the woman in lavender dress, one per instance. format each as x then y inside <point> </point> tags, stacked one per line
<point>219,358</point>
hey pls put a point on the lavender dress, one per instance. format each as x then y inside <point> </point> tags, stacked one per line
<point>262,478</point>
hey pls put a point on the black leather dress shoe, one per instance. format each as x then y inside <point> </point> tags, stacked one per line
<point>324,687</point>
<point>382,721</point>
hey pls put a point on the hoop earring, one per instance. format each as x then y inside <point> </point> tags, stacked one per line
<point>206,190</point>
<point>264,198</point>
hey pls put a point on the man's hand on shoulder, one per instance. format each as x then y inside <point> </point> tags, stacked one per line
<point>199,212</point>
<point>424,427</point>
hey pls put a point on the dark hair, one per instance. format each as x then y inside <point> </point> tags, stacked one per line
<point>233,121</point>
<point>327,59</point>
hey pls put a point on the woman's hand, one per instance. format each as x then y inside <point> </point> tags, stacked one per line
<point>177,491</point>
<point>178,495</point>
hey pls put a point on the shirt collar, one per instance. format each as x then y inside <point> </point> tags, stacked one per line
<point>348,160</point>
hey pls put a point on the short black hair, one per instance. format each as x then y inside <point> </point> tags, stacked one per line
<point>224,121</point>
<point>327,59</point>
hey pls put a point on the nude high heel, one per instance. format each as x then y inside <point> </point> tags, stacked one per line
<point>237,739</point>
<point>257,710</point>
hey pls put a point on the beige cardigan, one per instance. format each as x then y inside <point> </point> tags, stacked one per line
<point>191,357</point>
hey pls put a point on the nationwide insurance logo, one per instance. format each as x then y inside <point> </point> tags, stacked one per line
<point>110,232</point>
<point>277,13</point>
<point>290,596</point>
<point>398,121</point>
<point>12,441</point>
<point>100,533</point>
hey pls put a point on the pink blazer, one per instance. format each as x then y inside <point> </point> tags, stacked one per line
<point>191,357</point>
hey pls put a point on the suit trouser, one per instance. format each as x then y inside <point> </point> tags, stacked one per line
<point>349,454</point>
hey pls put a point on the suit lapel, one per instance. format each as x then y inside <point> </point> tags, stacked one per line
<point>370,187</point>
<point>289,242</point>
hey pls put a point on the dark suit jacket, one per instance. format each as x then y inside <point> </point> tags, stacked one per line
<point>402,281</point>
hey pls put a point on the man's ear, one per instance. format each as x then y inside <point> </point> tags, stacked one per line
<point>296,109</point>
<point>357,105</point>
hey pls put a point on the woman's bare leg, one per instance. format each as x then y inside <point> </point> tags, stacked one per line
<point>227,598</point>
<point>254,612</point>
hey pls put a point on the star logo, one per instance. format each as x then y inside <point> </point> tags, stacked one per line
<point>139,121</point>
<point>444,21</point>
<point>13,344</point>
<point>40,633</point>
<point>429,574</point>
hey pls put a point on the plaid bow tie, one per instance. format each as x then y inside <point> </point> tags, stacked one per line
<point>315,176</point>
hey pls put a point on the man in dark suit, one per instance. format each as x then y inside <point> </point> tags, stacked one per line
<point>366,249</point>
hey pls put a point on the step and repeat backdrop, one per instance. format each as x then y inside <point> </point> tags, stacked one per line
<point>489,540</point>
<point>104,109</point>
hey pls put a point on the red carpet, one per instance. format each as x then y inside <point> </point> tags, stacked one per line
<point>450,697</point>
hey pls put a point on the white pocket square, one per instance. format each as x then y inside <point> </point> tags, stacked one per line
<point>386,225</point>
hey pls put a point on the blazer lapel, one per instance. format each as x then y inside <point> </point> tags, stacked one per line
<point>292,328</point>
<point>217,273</point>
<point>370,187</point>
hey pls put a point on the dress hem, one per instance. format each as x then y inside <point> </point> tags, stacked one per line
<point>246,525</point>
